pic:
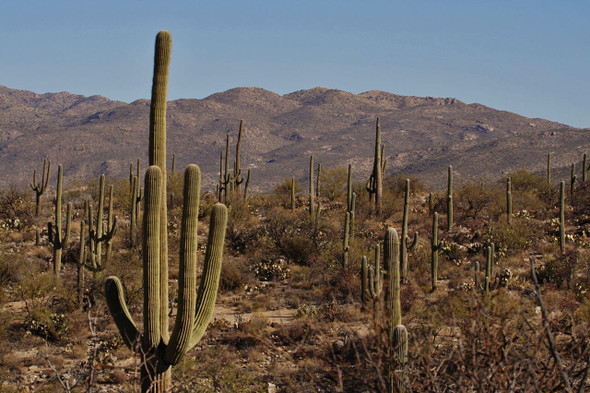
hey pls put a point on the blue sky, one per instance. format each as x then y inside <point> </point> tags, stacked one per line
<point>524,56</point>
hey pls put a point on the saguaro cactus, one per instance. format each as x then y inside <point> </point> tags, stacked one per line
<point>489,269</point>
<point>345,240</point>
<point>397,333</point>
<point>509,201</point>
<point>136,198</point>
<point>58,239</point>
<point>375,183</point>
<point>450,199</point>
<point>406,246</point>
<point>375,282</point>
<point>237,177</point>
<point>434,247</point>
<point>549,168</point>
<point>194,308</point>
<point>364,282</point>
<point>350,201</point>
<point>584,168</point>
<point>312,195</point>
<point>97,236</point>
<point>573,179</point>
<point>562,216</point>
<point>40,187</point>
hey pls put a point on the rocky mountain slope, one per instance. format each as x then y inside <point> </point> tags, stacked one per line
<point>422,135</point>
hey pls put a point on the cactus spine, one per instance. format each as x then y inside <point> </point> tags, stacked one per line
<point>404,246</point>
<point>509,201</point>
<point>56,237</point>
<point>562,216</point>
<point>40,187</point>
<point>194,308</point>
<point>375,183</point>
<point>434,247</point>
<point>450,198</point>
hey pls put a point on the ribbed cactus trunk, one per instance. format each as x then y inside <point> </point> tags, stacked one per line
<point>375,284</point>
<point>157,156</point>
<point>397,333</point>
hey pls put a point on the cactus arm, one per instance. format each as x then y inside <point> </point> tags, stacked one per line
<point>211,271</point>
<point>187,280</point>
<point>115,298</point>
<point>34,183</point>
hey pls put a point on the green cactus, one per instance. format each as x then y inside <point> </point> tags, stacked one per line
<point>237,175</point>
<point>247,185</point>
<point>312,195</point>
<point>58,239</point>
<point>81,263</point>
<point>509,201</point>
<point>350,201</point>
<point>293,194</point>
<point>97,236</point>
<point>397,333</point>
<point>562,216</point>
<point>450,198</point>
<point>584,168</point>
<point>489,269</point>
<point>364,283</point>
<point>317,188</point>
<point>573,179</point>
<point>375,283</point>
<point>375,183</point>
<point>40,187</point>
<point>194,308</point>
<point>406,246</point>
<point>345,240</point>
<point>434,247</point>
<point>136,198</point>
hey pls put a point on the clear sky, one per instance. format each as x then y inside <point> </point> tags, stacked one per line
<point>531,57</point>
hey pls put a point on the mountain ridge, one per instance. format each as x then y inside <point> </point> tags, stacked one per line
<point>91,135</point>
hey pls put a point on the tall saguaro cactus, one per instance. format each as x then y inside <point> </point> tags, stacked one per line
<point>375,183</point>
<point>375,282</point>
<point>509,201</point>
<point>101,234</point>
<point>434,247</point>
<point>450,198</point>
<point>405,245</point>
<point>312,195</point>
<point>562,216</point>
<point>195,308</point>
<point>40,187</point>
<point>56,237</point>
<point>397,333</point>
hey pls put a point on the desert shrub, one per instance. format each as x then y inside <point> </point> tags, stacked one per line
<point>271,269</point>
<point>282,192</point>
<point>16,209</point>
<point>517,236</point>
<point>529,191</point>
<point>478,201</point>
<point>46,324</point>
<point>333,182</point>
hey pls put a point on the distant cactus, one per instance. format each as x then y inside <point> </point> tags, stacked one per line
<point>97,235</point>
<point>81,263</point>
<point>317,188</point>
<point>350,201</point>
<point>58,239</point>
<point>247,185</point>
<point>476,278</point>
<point>584,168</point>
<point>375,282</point>
<point>40,187</point>
<point>573,179</point>
<point>312,194</point>
<point>434,248</point>
<point>397,333</point>
<point>364,282</point>
<point>489,268</point>
<point>345,240</point>
<point>562,216</point>
<point>405,245</point>
<point>450,198</point>
<point>509,201</point>
<point>136,198</point>
<point>292,194</point>
<point>375,183</point>
<point>549,168</point>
